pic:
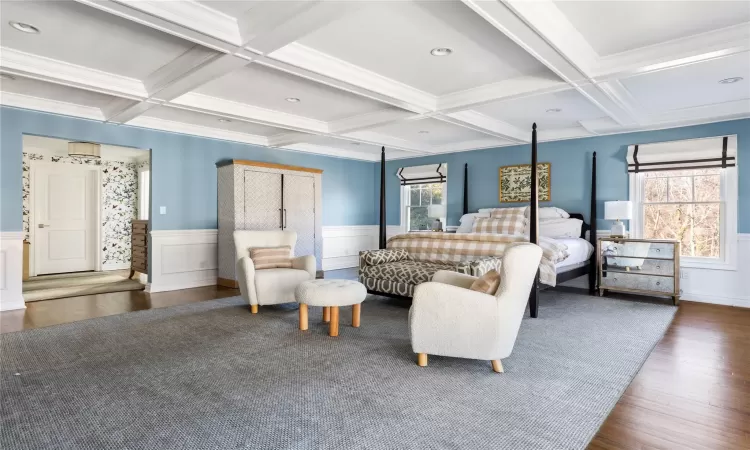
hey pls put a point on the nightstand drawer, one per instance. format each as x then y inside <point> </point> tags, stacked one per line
<point>648,266</point>
<point>661,250</point>
<point>630,280</point>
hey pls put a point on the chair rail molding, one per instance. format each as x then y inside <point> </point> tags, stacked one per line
<point>183,259</point>
<point>11,270</point>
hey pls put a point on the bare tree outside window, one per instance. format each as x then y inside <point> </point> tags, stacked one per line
<point>420,196</point>
<point>684,205</point>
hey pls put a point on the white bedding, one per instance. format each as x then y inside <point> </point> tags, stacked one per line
<point>580,250</point>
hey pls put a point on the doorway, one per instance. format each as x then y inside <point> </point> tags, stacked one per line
<point>78,216</point>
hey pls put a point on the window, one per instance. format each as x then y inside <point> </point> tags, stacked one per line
<point>685,205</point>
<point>696,206</point>
<point>417,197</point>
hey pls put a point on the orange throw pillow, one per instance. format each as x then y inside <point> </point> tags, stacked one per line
<point>487,283</point>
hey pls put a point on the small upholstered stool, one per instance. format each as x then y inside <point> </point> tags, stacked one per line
<point>330,294</point>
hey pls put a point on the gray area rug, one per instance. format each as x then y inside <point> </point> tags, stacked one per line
<point>210,375</point>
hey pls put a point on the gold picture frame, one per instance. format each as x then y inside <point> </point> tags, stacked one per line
<point>514,183</point>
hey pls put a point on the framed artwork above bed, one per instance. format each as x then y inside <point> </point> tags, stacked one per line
<point>515,183</point>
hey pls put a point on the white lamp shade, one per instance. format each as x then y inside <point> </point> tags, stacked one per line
<point>436,211</point>
<point>619,210</point>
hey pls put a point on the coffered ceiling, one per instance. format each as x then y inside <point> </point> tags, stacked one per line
<point>345,78</point>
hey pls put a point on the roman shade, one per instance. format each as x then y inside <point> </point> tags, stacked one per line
<point>680,155</point>
<point>431,173</point>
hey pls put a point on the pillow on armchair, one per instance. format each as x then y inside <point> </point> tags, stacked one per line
<point>271,257</point>
<point>487,283</point>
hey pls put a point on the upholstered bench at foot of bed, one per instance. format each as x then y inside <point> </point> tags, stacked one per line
<point>399,275</point>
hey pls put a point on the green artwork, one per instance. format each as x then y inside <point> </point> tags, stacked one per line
<point>515,183</point>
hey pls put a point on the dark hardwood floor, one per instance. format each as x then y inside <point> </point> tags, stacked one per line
<point>693,392</point>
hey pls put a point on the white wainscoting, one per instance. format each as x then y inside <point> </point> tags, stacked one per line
<point>723,287</point>
<point>182,259</point>
<point>11,271</point>
<point>341,245</point>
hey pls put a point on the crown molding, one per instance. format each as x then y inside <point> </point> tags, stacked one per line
<point>330,151</point>
<point>310,59</point>
<point>50,106</point>
<point>59,72</point>
<point>218,106</point>
<point>621,97</point>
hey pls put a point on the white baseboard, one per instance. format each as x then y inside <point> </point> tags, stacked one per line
<point>11,271</point>
<point>183,259</point>
<point>115,266</point>
<point>742,302</point>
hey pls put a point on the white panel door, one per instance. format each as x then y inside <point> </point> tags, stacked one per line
<point>66,218</point>
<point>262,193</point>
<point>299,203</point>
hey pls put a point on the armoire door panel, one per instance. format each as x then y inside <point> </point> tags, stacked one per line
<point>262,193</point>
<point>299,202</point>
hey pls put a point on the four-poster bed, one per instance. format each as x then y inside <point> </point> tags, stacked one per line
<point>585,267</point>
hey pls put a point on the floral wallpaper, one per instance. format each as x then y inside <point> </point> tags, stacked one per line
<point>119,202</point>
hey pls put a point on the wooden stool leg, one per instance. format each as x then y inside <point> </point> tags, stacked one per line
<point>333,329</point>
<point>254,309</point>
<point>302,316</point>
<point>326,314</point>
<point>355,314</point>
<point>422,359</point>
<point>497,366</point>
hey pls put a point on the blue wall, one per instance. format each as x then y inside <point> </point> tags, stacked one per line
<point>183,170</point>
<point>571,170</point>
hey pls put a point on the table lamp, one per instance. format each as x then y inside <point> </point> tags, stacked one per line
<point>617,211</point>
<point>436,212</point>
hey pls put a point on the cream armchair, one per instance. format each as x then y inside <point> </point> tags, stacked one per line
<point>269,286</point>
<point>449,319</point>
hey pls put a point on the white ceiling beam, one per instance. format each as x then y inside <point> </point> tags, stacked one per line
<point>304,57</point>
<point>503,90</point>
<point>485,124</point>
<point>249,113</point>
<point>197,130</point>
<point>676,53</point>
<point>58,72</point>
<point>370,120</point>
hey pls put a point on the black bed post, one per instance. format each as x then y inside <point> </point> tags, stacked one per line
<point>534,223</point>
<point>466,188</point>
<point>592,229</point>
<point>382,199</point>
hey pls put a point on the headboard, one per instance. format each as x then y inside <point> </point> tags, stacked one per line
<point>585,227</point>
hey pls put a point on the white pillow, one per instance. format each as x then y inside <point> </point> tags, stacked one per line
<point>467,222</point>
<point>550,212</point>
<point>560,228</point>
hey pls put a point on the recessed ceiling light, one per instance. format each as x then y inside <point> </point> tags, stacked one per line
<point>424,132</point>
<point>730,80</point>
<point>554,110</point>
<point>25,27</point>
<point>223,120</point>
<point>441,51</point>
<point>292,99</point>
<point>6,76</point>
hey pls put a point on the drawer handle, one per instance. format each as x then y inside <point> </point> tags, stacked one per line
<point>658,267</point>
<point>658,250</point>
<point>614,279</point>
<point>658,283</point>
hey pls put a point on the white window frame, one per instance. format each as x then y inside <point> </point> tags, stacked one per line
<point>405,206</point>
<point>728,217</point>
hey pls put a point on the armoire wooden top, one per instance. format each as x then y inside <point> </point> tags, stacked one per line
<point>245,162</point>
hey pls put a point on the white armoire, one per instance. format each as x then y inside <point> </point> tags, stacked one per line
<point>264,196</point>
